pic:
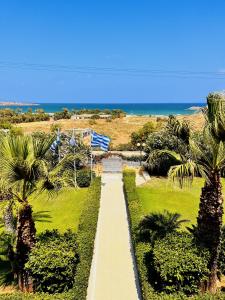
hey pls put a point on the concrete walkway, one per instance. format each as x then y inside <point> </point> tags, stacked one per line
<point>113,276</point>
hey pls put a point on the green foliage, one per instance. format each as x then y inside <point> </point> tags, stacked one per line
<point>55,127</point>
<point>52,262</point>
<point>5,125</point>
<point>161,140</point>
<point>92,122</point>
<point>15,116</point>
<point>157,225</point>
<point>179,264</point>
<point>142,134</point>
<point>16,131</point>
<point>84,177</point>
<point>222,253</point>
<point>65,114</point>
<point>85,238</point>
<point>70,296</point>
<point>95,117</point>
<point>115,113</point>
<point>135,212</point>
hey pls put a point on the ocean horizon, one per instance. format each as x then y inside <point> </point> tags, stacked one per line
<point>130,108</point>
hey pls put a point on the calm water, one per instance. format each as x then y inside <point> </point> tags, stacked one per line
<point>129,108</point>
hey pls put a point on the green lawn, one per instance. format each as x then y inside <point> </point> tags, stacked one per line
<point>61,212</point>
<point>158,194</point>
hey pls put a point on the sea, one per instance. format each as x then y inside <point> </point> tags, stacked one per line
<point>158,109</point>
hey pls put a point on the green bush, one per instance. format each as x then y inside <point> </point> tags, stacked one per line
<point>64,114</point>
<point>6,125</point>
<point>135,214</point>
<point>84,177</point>
<point>70,296</point>
<point>142,134</point>
<point>85,238</point>
<point>92,122</point>
<point>143,251</point>
<point>52,263</point>
<point>179,264</point>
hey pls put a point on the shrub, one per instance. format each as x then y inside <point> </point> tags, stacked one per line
<point>135,213</point>
<point>142,134</point>
<point>17,131</point>
<point>84,177</point>
<point>85,238</point>
<point>6,125</point>
<point>52,263</point>
<point>55,127</point>
<point>92,122</point>
<point>222,253</point>
<point>95,117</point>
<point>179,264</point>
<point>65,114</point>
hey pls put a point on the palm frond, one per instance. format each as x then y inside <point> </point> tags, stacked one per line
<point>41,146</point>
<point>184,173</point>
<point>157,155</point>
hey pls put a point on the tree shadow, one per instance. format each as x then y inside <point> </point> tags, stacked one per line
<point>42,216</point>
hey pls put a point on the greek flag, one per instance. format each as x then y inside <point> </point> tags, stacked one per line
<point>73,141</point>
<point>56,143</point>
<point>99,140</point>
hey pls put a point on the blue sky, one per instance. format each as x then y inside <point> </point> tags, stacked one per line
<point>131,38</point>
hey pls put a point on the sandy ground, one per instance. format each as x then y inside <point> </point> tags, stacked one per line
<point>119,129</point>
<point>112,273</point>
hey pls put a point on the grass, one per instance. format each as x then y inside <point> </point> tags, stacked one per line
<point>61,212</point>
<point>158,195</point>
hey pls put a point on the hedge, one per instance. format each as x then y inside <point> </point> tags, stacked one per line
<point>135,214</point>
<point>85,239</point>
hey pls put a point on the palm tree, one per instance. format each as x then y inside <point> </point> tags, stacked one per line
<point>158,225</point>
<point>208,160</point>
<point>25,171</point>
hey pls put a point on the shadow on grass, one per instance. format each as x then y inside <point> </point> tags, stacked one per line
<point>42,216</point>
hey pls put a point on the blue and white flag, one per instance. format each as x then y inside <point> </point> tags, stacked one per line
<point>73,141</point>
<point>99,140</point>
<point>56,143</point>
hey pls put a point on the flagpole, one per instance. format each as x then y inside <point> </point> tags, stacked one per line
<point>59,146</point>
<point>74,164</point>
<point>91,159</point>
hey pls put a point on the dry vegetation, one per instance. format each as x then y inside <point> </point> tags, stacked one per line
<point>119,129</point>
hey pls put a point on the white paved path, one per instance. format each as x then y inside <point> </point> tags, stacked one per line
<point>112,273</point>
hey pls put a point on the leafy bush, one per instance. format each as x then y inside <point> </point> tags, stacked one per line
<point>135,213</point>
<point>162,140</point>
<point>65,114</point>
<point>222,253</point>
<point>84,177</point>
<point>95,117</point>
<point>92,122</point>
<point>157,225</point>
<point>6,125</point>
<point>52,263</point>
<point>85,238</point>
<point>70,296</point>
<point>142,134</point>
<point>143,251</point>
<point>55,127</point>
<point>179,264</point>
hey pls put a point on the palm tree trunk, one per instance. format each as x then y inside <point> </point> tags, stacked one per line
<point>210,223</point>
<point>9,219</point>
<point>25,242</point>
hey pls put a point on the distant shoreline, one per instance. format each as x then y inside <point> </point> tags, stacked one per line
<point>134,109</point>
<point>17,104</point>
